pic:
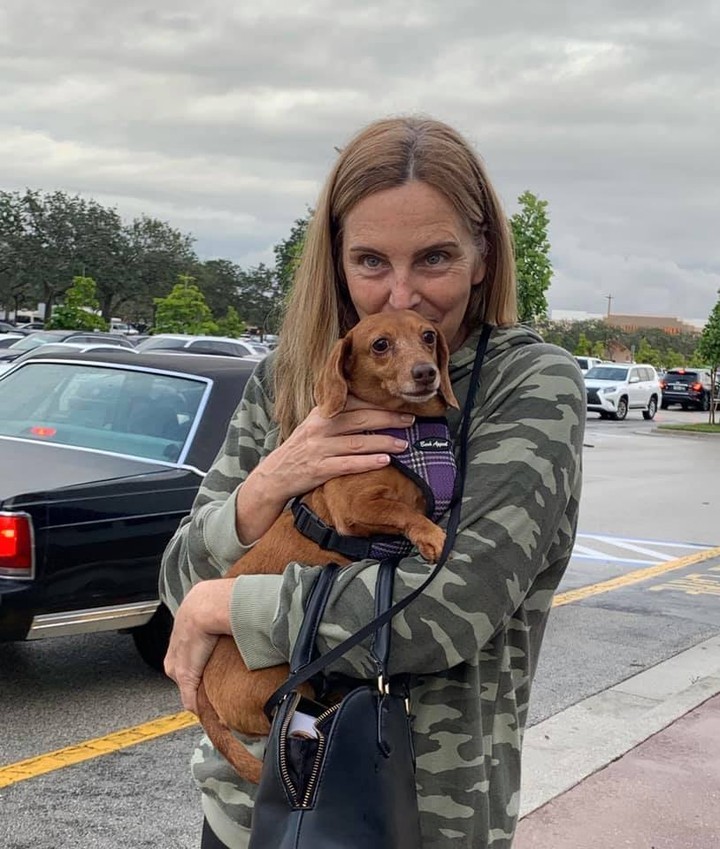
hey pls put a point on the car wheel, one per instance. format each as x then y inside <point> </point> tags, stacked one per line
<point>664,405</point>
<point>152,638</point>
<point>649,414</point>
<point>622,410</point>
<point>705,404</point>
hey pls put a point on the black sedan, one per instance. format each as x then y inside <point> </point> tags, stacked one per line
<point>101,457</point>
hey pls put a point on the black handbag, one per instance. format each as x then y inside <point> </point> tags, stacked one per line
<point>343,777</point>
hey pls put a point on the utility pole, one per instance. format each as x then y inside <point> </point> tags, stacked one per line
<point>609,299</point>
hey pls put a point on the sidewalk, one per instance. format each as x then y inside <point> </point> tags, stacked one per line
<point>637,766</point>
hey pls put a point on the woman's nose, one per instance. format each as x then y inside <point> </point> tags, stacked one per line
<point>403,295</point>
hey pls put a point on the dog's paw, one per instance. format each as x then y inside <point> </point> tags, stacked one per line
<point>430,543</point>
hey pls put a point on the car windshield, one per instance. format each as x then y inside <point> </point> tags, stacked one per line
<point>122,411</point>
<point>35,340</point>
<point>605,373</point>
<point>158,342</point>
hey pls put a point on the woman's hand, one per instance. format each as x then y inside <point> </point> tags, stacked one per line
<point>317,450</point>
<point>201,618</point>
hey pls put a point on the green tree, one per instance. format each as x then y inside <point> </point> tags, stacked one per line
<point>155,255</point>
<point>47,239</point>
<point>184,310</point>
<point>79,310</point>
<point>647,354</point>
<point>709,350</point>
<point>583,347</point>
<point>231,324</point>
<point>288,252</point>
<point>260,298</point>
<point>673,359</point>
<point>532,247</point>
<point>219,280</point>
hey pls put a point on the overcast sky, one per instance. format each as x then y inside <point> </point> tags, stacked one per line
<point>222,118</point>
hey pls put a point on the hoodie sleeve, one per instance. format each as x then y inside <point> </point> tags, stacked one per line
<point>519,517</point>
<point>205,544</point>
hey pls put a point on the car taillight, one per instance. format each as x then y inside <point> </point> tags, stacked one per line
<point>696,387</point>
<point>663,384</point>
<point>16,547</point>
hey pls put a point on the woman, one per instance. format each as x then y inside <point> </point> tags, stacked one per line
<point>407,219</point>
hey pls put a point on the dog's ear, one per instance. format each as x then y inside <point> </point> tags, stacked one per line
<point>331,389</point>
<point>443,361</point>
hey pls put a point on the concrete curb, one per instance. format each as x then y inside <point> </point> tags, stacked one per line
<point>566,748</point>
<point>693,434</point>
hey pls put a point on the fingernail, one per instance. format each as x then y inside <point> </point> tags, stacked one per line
<point>401,443</point>
<point>407,418</point>
<point>383,459</point>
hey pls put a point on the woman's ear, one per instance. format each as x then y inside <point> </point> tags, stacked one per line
<point>331,389</point>
<point>443,361</point>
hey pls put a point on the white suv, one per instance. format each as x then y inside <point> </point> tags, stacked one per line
<point>615,388</point>
<point>586,363</point>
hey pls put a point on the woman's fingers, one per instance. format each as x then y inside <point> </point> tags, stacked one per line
<point>203,615</point>
<point>319,449</point>
<point>359,420</point>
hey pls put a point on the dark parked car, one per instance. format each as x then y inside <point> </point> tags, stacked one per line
<point>101,458</point>
<point>689,387</point>
<point>8,339</point>
<point>6,327</point>
<point>44,337</point>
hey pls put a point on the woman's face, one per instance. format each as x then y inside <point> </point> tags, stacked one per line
<point>407,248</point>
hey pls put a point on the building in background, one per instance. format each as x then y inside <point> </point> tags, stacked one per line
<point>633,323</point>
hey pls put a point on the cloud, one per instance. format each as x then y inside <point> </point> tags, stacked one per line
<point>223,119</point>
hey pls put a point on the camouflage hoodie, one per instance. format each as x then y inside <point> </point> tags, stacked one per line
<point>472,639</point>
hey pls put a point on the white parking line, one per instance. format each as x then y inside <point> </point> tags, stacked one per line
<point>639,549</point>
<point>610,549</point>
<point>611,539</point>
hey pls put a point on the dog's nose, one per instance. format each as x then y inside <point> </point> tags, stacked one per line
<point>424,373</point>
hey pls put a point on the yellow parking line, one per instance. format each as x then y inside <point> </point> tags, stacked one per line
<point>634,577</point>
<point>42,764</point>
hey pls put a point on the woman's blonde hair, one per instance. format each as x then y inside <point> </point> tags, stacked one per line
<point>384,155</point>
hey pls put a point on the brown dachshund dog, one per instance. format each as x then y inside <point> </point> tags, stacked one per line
<point>397,361</point>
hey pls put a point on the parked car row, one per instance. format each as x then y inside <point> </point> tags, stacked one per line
<point>13,347</point>
<point>613,389</point>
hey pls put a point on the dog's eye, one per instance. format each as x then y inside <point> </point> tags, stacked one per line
<point>429,337</point>
<point>380,345</point>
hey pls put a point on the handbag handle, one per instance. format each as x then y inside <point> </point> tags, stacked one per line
<point>312,668</point>
<point>304,648</point>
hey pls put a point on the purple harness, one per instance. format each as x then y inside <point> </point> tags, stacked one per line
<point>428,461</point>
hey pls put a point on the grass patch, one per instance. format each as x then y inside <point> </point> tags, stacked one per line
<point>693,428</point>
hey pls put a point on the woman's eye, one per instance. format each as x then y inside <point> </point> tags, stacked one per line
<point>370,261</point>
<point>380,345</point>
<point>435,258</point>
<point>429,337</point>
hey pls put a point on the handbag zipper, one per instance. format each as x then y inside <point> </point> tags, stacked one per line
<point>318,756</point>
<point>282,753</point>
